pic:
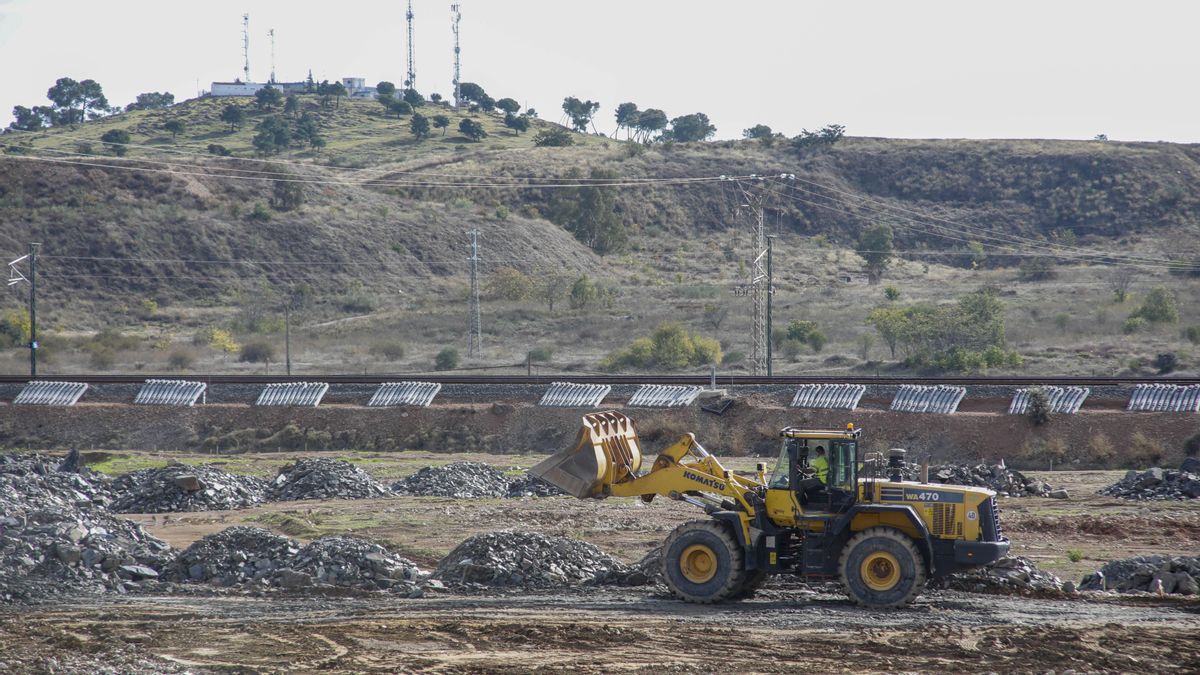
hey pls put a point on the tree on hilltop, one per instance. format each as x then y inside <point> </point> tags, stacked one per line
<point>233,115</point>
<point>441,122</point>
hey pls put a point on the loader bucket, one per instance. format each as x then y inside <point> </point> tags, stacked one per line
<point>607,452</point>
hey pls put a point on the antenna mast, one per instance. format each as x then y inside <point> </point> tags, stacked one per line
<point>246,45</point>
<point>272,34</point>
<point>411,82</point>
<point>455,17</point>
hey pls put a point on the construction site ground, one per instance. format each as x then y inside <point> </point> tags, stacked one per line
<point>789,625</point>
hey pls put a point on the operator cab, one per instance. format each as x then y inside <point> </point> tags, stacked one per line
<point>794,470</point>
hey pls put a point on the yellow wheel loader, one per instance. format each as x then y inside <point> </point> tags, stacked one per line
<point>813,516</point>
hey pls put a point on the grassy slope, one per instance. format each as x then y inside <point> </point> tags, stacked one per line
<point>406,246</point>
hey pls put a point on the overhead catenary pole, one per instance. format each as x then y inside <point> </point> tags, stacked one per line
<point>770,297</point>
<point>287,334</point>
<point>475,339</point>
<point>33,343</point>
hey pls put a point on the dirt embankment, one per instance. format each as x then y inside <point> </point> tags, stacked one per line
<point>750,427</point>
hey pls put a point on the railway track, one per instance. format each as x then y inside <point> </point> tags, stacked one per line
<point>721,380</point>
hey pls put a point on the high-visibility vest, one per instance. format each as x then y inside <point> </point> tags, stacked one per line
<point>821,466</point>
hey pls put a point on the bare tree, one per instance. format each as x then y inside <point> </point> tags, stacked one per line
<point>1119,280</point>
<point>714,315</point>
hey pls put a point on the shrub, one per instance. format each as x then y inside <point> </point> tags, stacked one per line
<point>539,355</point>
<point>1132,325</point>
<point>734,356</point>
<point>257,351</point>
<point>792,348</point>
<point>891,293</point>
<point>1144,451</point>
<point>102,357</point>
<point>1074,555</point>
<point>510,284</point>
<point>387,350</point>
<point>260,213</point>
<point>180,359</point>
<point>1158,307</point>
<point>217,338</point>
<point>1036,269</point>
<point>553,137</point>
<point>14,328</point>
<point>1191,447</point>
<point>1100,449</point>
<point>816,340</point>
<point>670,347</point>
<point>1040,410</point>
<point>1166,363</point>
<point>447,359</point>
<point>1192,334</point>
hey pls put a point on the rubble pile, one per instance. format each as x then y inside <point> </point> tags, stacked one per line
<point>1150,573</point>
<point>997,477</point>
<point>70,476</point>
<point>181,488</point>
<point>463,480</point>
<point>531,486</point>
<point>352,562</point>
<point>1156,484</point>
<point>528,559</point>
<point>1010,575</point>
<point>323,478</point>
<point>55,537</point>
<point>233,557</point>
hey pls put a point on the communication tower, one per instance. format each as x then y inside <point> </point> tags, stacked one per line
<point>455,17</point>
<point>272,34</point>
<point>246,46</point>
<point>411,82</point>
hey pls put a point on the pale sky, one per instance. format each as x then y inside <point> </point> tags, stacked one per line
<point>1012,69</point>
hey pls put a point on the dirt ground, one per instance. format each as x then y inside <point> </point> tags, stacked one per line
<point>788,626</point>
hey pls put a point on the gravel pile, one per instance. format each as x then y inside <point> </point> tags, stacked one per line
<point>181,488</point>
<point>527,559</point>
<point>69,475</point>
<point>351,562</point>
<point>529,486</point>
<point>1151,573</point>
<point>464,480</point>
<point>249,557</point>
<point>1156,484</point>
<point>323,478</point>
<point>1011,575</point>
<point>234,556</point>
<point>997,477</point>
<point>55,538</point>
<point>470,480</point>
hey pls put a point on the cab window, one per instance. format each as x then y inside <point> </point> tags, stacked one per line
<point>781,475</point>
<point>842,458</point>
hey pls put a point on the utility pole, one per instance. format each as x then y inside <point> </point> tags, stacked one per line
<point>475,344</point>
<point>287,334</point>
<point>455,17</point>
<point>411,82</point>
<point>246,46</point>
<point>33,343</point>
<point>770,297</point>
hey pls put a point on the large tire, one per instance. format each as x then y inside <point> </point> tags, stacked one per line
<point>754,580</point>
<point>881,567</point>
<point>703,563</point>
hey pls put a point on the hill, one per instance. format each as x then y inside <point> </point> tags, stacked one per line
<point>169,239</point>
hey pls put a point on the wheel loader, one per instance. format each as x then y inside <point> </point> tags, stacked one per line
<point>880,536</point>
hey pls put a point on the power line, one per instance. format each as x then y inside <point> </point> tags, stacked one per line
<point>475,336</point>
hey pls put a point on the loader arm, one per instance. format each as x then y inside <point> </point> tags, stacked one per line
<point>607,455</point>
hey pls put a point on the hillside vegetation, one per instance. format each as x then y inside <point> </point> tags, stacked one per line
<point>366,236</point>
